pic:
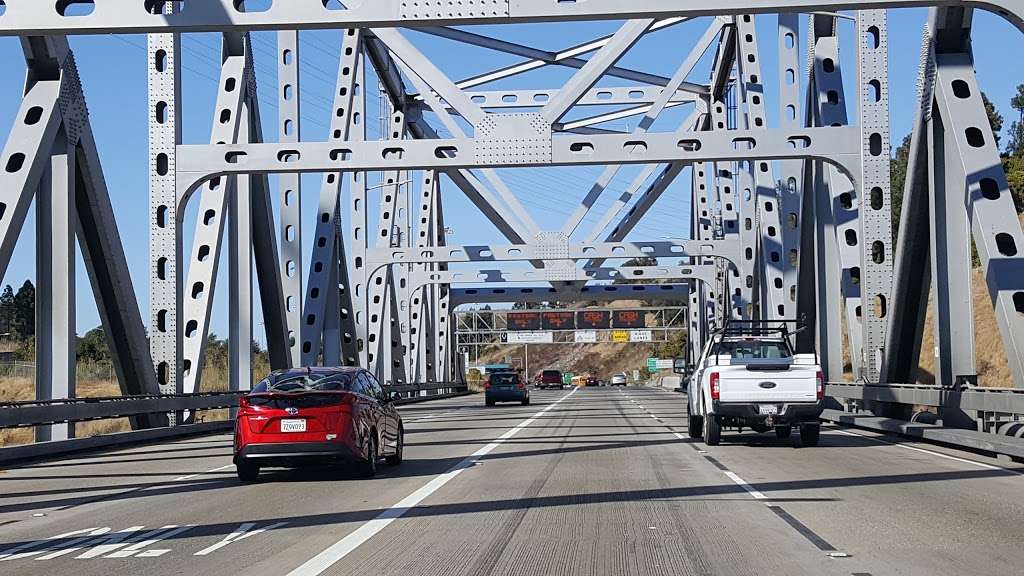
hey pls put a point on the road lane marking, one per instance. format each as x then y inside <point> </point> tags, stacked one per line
<point>191,476</point>
<point>932,452</point>
<point>241,533</point>
<point>334,553</point>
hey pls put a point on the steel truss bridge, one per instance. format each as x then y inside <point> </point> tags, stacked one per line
<point>791,218</point>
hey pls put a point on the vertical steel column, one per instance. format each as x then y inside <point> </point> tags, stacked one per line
<point>163,65</point>
<point>790,184</point>
<point>55,283</point>
<point>768,238</point>
<point>875,193</point>
<point>360,224</point>
<point>443,337</point>
<point>422,333</point>
<point>240,272</point>
<point>290,187</point>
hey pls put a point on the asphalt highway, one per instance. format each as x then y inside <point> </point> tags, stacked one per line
<point>582,482</point>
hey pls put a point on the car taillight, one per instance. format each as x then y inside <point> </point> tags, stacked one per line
<point>243,405</point>
<point>521,386</point>
<point>715,391</point>
<point>487,386</point>
<point>820,381</point>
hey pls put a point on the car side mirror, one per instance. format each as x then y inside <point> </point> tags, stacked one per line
<point>392,397</point>
<point>679,366</point>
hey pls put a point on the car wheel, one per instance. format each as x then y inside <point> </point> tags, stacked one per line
<point>809,434</point>
<point>694,427</point>
<point>369,467</point>
<point>396,458</point>
<point>783,432</point>
<point>526,401</point>
<point>712,430</point>
<point>247,472</point>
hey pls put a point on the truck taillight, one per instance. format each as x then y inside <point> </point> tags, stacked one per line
<point>715,391</point>
<point>820,381</point>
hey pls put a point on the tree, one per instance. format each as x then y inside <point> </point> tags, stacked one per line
<point>25,311</point>
<point>1015,147</point>
<point>7,310</point>
<point>897,179</point>
<point>93,346</point>
<point>995,119</point>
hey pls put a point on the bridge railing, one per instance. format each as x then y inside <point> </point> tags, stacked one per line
<point>992,400</point>
<point>44,412</point>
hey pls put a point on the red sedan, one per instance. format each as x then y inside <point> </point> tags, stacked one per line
<point>314,416</point>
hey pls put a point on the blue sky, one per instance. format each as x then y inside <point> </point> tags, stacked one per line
<point>114,77</point>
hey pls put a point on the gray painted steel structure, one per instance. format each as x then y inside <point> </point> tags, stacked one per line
<point>788,219</point>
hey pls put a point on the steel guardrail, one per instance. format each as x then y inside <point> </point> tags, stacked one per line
<point>43,412</point>
<point>1002,400</point>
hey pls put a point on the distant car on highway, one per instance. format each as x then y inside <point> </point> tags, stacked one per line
<point>306,416</point>
<point>592,381</point>
<point>619,379</point>
<point>506,387</point>
<point>550,379</point>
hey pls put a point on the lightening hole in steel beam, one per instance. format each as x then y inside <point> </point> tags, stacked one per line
<point>832,97</point>
<point>581,148</point>
<point>858,312</point>
<point>161,320</point>
<point>235,157</point>
<point>215,183</point>
<point>325,217</point>
<point>828,65</point>
<point>190,328</point>
<point>778,283</point>
<point>635,147</point>
<point>225,116</point>
<point>160,113</point>
<point>289,303</point>
<point>253,5</point>
<point>875,144</point>
<point>749,254</point>
<point>873,38</point>
<point>790,76</point>
<point>208,217</point>
<point>750,281</point>
<point>321,241</point>
<point>541,97</point>
<point>961,89</point>
<point>318,267</point>
<point>878,252</point>
<point>306,347</point>
<point>1018,302</point>
<point>289,127</point>
<point>989,189</point>
<point>162,164</point>
<point>33,115</point>
<point>745,143</point>
<point>846,201</point>
<point>290,269</point>
<point>854,274</point>
<point>162,373</point>
<point>160,60</point>
<point>204,252</point>
<point>197,290</point>
<point>75,7</point>
<point>771,231</point>
<point>161,268</point>
<point>287,57</point>
<point>1005,244</point>
<point>877,198</point>
<point>394,153</point>
<point>851,237</point>
<point>310,319</point>
<point>797,142</point>
<point>340,155</point>
<point>975,137</point>
<point>511,98</point>
<point>881,304</point>
<point>314,293</point>
<point>288,156</point>
<point>161,217</point>
<point>875,90</point>
<point>689,145</point>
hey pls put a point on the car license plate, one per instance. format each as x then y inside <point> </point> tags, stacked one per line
<point>768,409</point>
<point>293,425</point>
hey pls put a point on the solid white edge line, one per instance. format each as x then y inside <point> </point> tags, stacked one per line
<point>334,553</point>
<point>931,452</point>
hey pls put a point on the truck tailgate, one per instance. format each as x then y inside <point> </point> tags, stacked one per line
<point>796,383</point>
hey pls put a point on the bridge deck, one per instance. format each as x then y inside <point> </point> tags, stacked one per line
<point>592,485</point>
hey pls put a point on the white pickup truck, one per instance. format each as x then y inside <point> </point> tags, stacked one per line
<point>751,378</point>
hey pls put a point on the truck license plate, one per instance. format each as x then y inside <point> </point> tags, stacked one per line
<point>768,409</point>
<point>293,425</point>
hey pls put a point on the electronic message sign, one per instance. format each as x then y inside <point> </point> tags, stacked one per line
<point>593,320</point>
<point>557,320</point>
<point>523,320</point>
<point>628,319</point>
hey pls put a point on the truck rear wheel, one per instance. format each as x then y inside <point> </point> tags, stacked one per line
<point>694,425</point>
<point>809,434</point>
<point>783,432</point>
<point>712,430</point>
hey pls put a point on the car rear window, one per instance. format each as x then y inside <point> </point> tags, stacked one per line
<point>754,349</point>
<point>551,374</point>
<point>313,400</point>
<point>504,378</point>
<point>305,383</point>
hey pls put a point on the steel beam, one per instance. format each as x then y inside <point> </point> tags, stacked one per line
<point>289,130</point>
<point>537,294</point>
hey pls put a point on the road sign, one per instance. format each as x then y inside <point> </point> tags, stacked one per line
<point>557,320</point>
<point>523,321</point>
<point>628,319</point>
<point>530,337</point>
<point>594,319</point>
<point>586,336</point>
<point>620,336</point>
<point>640,336</point>
<point>664,364</point>
<point>652,364</point>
